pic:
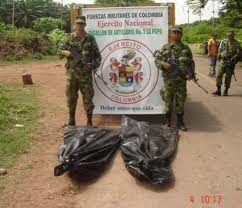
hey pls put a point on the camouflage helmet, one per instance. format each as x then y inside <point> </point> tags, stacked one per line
<point>231,32</point>
<point>80,19</point>
<point>177,28</point>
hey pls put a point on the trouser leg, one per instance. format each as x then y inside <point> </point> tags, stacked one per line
<point>213,66</point>
<point>87,96</point>
<point>219,80</point>
<point>228,76</point>
<point>72,96</point>
<point>227,82</point>
<point>180,122</point>
<point>180,97</point>
<point>167,94</point>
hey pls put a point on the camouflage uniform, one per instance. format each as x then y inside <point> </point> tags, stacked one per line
<point>79,77</point>
<point>177,65</point>
<point>227,64</point>
<point>174,85</point>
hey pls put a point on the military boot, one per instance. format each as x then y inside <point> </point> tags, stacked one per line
<point>218,91</point>
<point>226,92</point>
<point>72,119</point>
<point>213,74</point>
<point>89,119</point>
<point>180,122</point>
<point>168,119</point>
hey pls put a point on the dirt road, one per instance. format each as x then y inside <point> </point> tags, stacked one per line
<point>207,167</point>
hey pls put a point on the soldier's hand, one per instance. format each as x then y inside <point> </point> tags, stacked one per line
<point>223,55</point>
<point>188,77</point>
<point>89,66</point>
<point>66,53</point>
<point>94,71</point>
<point>167,66</point>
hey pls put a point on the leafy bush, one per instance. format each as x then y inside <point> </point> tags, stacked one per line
<point>199,32</point>
<point>5,29</point>
<point>26,37</point>
<point>57,36</point>
<point>46,24</point>
<point>16,43</point>
<point>11,50</point>
<point>37,56</point>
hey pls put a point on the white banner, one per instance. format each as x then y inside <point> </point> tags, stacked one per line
<point>127,38</point>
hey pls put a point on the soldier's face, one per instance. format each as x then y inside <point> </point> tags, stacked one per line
<point>176,36</point>
<point>80,28</point>
<point>231,37</point>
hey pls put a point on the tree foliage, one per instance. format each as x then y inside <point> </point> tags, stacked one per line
<point>16,43</point>
<point>57,36</point>
<point>196,5</point>
<point>200,31</point>
<point>26,11</point>
<point>6,11</point>
<point>230,12</point>
<point>46,24</point>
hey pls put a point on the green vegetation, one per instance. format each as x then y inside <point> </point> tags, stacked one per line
<point>24,31</point>
<point>26,11</point>
<point>200,31</point>
<point>229,12</point>
<point>230,18</point>
<point>18,43</point>
<point>46,24</point>
<point>18,106</point>
<point>197,48</point>
<point>39,25</point>
<point>56,36</point>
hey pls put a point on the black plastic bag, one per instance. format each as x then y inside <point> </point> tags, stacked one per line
<point>86,150</point>
<point>147,151</point>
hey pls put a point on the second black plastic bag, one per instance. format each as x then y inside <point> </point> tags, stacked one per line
<point>86,150</point>
<point>147,151</point>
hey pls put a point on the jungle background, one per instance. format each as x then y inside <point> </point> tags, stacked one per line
<point>33,28</point>
<point>32,117</point>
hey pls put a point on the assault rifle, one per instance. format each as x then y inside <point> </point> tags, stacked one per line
<point>230,64</point>
<point>99,77</point>
<point>75,54</point>
<point>176,70</point>
<point>77,60</point>
<point>188,72</point>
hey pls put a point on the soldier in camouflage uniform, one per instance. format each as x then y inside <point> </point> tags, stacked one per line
<point>228,56</point>
<point>83,56</point>
<point>173,56</point>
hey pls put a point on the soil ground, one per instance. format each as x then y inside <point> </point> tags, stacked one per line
<point>207,163</point>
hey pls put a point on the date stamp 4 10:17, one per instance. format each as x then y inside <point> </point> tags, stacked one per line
<point>206,199</point>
